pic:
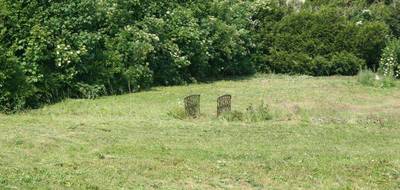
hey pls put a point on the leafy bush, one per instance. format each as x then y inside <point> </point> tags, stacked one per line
<point>320,66</point>
<point>340,63</point>
<point>370,40</point>
<point>129,54</point>
<point>323,42</point>
<point>84,48</point>
<point>313,32</point>
<point>228,38</point>
<point>392,18</point>
<point>390,61</point>
<point>345,63</point>
<point>14,85</point>
<point>288,62</point>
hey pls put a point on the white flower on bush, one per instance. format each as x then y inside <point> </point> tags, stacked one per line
<point>366,11</point>
<point>65,54</point>
<point>390,61</point>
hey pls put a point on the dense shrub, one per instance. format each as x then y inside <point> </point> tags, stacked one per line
<point>313,32</point>
<point>14,84</point>
<point>84,49</point>
<point>290,62</point>
<point>323,42</point>
<point>128,53</point>
<point>370,40</point>
<point>345,63</point>
<point>339,63</point>
<point>392,18</point>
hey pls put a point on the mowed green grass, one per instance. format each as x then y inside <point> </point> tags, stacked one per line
<point>326,133</point>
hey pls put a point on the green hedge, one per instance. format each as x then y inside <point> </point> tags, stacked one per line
<point>310,42</point>
<point>339,63</point>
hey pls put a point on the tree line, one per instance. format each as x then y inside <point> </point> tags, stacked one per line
<point>56,49</point>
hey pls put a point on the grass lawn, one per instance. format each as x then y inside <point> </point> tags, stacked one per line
<point>326,133</point>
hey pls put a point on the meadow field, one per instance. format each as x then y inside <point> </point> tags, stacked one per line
<point>325,133</point>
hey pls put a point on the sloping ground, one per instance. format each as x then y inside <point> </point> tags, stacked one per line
<point>325,133</point>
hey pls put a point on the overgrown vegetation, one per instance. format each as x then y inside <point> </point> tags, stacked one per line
<point>178,113</point>
<point>390,61</point>
<point>369,78</point>
<point>252,114</point>
<point>51,50</point>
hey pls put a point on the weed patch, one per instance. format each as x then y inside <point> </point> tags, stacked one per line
<point>252,114</point>
<point>369,78</point>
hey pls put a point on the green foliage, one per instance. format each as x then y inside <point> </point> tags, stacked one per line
<point>313,32</point>
<point>369,78</point>
<point>324,42</point>
<point>370,40</point>
<point>128,54</point>
<point>289,62</point>
<point>390,61</point>
<point>388,82</point>
<point>339,63</point>
<point>392,18</point>
<point>345,63</point>
<point>14,85</point>
<point>90,91</point>
<point>394,21</point>
<point>83,48</point>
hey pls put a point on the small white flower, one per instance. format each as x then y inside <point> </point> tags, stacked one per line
<point>366,11</point>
